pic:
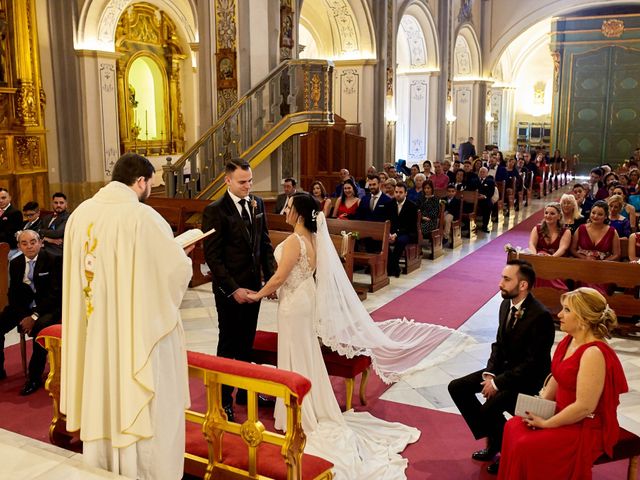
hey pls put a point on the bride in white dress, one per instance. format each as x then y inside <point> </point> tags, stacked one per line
<point>360,445</point>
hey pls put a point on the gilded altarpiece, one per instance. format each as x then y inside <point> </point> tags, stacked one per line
<point>23,152</point>
<point>226,55</point>
<point>147,33</point>
<point>596,87</point>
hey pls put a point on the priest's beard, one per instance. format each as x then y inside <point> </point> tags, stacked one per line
<point>144,195</point>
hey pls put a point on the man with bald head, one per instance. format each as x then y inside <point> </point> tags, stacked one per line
<point>35,301</point>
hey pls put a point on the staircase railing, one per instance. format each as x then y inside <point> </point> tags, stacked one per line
<point>297,94</point>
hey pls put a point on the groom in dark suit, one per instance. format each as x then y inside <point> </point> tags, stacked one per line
<point>519,362</point>
<point>237,253</point>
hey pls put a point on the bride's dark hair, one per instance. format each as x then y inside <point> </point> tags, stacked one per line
<point>307,207</point>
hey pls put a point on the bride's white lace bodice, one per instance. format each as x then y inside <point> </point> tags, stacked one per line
<point>301,271</point>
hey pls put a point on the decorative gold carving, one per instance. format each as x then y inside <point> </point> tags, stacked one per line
<point>226,53</point>
<point>226,23</point>
<point>612,28</point>
<point>305,82</point>
<point>251,432</point>
<point>5,110</point>
<point>4,27</point>
<point>26,112</point>
<point>4,160</point>
<point>28,151</point>
<point>555,56</point>
<point>315,90</point>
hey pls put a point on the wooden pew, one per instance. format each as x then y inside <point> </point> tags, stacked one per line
<point>470,212</point>
<point>174,217</point>
<point>377,261</point>
<point>435,237</point>
<point>192,209</point>
<point>215,447</point>
<point>626,276</point>
<point>412,256</point>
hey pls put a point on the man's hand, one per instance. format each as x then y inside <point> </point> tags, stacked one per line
<point>26,324</point>
<point>241,295</point>
<point>189,249</point>
<point>392,237</point>
<point>487,389</point>
<point>272,296</point>
<point>55,241</point>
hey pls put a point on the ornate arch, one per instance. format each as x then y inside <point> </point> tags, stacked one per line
<point>96,29</point>
<point>418,26</point>
<point>342,29</point>
<point>467,60</point>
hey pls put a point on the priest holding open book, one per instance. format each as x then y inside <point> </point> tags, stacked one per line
<point>124,368</point>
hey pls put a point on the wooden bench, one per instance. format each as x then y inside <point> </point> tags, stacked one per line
<point>574,271</point>
<point>435,237</point>
<point>173,215</point>
<point>376,261</point>
<point>469,201</point>
<point>627,447</point>
<point>411,259</point>
<point>215,447</point>
<point>265,351</point>
<point>192,209</point>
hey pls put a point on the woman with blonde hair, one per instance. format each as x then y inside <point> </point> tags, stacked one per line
<point>586,382</point>
<point>550,237</point>
<point>571,216</point>
<point>616,219</point>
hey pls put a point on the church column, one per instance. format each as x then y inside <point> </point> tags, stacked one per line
<point>206,68</point>
<point>377,138</point>
<point>443,138</point>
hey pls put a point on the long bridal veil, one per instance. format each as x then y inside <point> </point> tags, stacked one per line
<point>396,347</point>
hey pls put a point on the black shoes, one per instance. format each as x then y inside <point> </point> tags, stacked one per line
<point>493,468</point>
<point>263,401</point>
<point>484,455</point>
<point>30,387</point>
<point>228,409</point>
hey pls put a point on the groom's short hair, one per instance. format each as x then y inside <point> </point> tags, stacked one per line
<point>236,163</point>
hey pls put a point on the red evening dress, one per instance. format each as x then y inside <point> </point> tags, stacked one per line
<point>567,452</point>
<point>543,245</point>
<point>600,250</point>
<point>347,212</point>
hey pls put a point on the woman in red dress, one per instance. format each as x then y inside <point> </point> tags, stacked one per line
<point>596,240</point>
<point>587,380</point>
<point>347,204</point>
<point>634,247</point>
<point>550,237</point>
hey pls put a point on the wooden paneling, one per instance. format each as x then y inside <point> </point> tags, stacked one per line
<point>325,151</point>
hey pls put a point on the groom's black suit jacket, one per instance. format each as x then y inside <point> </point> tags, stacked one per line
<point>236,256</point>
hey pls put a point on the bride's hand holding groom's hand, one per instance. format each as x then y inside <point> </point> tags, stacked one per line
<point>244,295</point>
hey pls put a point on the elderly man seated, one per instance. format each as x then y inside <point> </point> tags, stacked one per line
<point>35,299</point>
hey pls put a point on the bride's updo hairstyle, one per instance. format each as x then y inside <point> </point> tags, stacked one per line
<point>592,308</point>
<point>307,208</point>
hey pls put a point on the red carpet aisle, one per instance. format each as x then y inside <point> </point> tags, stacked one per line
<point>476,276</point>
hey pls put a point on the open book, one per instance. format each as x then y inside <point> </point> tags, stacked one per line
<point>536,405</point>
<point>192,236</point>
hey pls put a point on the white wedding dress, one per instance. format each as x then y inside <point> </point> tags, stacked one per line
<point>359,445</point>
<point>327,308</point>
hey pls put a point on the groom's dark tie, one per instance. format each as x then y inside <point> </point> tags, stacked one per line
<point>245,215</point>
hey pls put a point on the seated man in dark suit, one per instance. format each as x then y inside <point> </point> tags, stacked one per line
<point>10,222</point>
<point>519,362</point>
<point>403,214</point>
<point>289,187</point>
<point>53,225</point>
<point>35,301</point>
<point>373,205</point>
<point>451,211</point>
<point>486,189</point>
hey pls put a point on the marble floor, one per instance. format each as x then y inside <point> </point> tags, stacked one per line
<point>426,388</point>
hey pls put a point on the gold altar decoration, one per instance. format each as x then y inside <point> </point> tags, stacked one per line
<point>146,32</point>
<point>226,54</point>
<point>23,153</point>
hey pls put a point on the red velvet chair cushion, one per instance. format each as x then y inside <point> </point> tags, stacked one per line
<point>628,446</point>
<point>235,454</point>
<point>296,383</point>
<point>51,331</point>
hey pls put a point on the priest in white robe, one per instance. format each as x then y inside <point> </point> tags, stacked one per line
<point>124,366</point>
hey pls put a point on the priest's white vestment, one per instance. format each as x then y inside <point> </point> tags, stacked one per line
<point>124,369</point>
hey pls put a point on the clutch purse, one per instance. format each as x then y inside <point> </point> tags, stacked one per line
<point>536,405</point>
